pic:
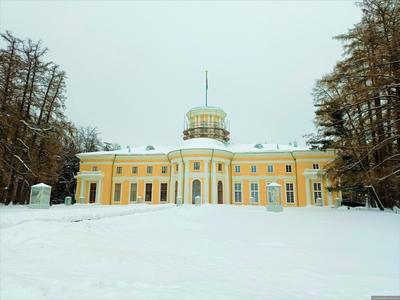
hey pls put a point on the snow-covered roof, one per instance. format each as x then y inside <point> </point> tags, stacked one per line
<point>41,185</point>
<point>261,148</point>
<point>199,143</point>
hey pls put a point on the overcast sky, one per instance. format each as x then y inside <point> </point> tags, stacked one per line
<point>135,68</point>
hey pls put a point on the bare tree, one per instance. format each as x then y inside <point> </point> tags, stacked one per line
<point>358,106</point>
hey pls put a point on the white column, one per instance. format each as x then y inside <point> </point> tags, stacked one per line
<point>171,187</point>
<point>82,193</point>
<point>214,196</point>
<point>329,184</point>
<point>206,182</point>
<point>187,199</point>
<point>226,185</point>
<point>98,191</point>
<point>180,179</point>
<point>308,191</point>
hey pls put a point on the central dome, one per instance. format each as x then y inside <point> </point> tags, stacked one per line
<point>206,122</point>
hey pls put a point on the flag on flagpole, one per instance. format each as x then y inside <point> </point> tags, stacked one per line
<point>206,80</point>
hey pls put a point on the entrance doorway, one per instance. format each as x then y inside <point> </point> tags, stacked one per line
<point>196,189</point>
<point>92,194</point>
<point>220,193</point>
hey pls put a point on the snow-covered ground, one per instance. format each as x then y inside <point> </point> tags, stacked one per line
<point>209,252</point>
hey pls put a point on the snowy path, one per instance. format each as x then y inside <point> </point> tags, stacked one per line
<point>212,252</point>
<point>12,216</point>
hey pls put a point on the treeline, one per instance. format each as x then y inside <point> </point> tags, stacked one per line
<point>37,142</point>
<point>358,107</point>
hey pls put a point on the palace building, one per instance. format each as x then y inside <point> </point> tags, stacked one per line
<point>207,166</point>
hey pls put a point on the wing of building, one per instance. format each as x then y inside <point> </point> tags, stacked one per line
<point>207,167</point>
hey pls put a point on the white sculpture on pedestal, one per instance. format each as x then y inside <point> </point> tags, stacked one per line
<point>275,197</point>
<point>40,196</point>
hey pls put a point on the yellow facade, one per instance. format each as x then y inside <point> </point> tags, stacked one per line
<point>213,170</point>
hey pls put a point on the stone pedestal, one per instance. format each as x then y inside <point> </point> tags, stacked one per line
<point>68,200</point>
<point>179,201</point>
<point>275,208</point>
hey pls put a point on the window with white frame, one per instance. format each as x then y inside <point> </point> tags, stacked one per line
<point>317,188</point>
<point>133,193</point>
<point>253,169</point>
<point>238,192</point>
<point>219,166</point>
<point>176,167</point>
<point>149,170</point>
<point>134,170</point>
<point>289,193</point>
<point>196,166</point>
<point>237,169</point>
<point>94,168</point>
<point>119,170</point>
<point>117,192</point>
<point>270,168</point>
<point>164,169</point>
<point>315,166</point>
<point>288,168</point>
<point>254,192</point>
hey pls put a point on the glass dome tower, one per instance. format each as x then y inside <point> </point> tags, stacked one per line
<point>206,122</point>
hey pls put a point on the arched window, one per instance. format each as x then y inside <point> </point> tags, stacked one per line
<point>220,193</point>
<point>196,189</point>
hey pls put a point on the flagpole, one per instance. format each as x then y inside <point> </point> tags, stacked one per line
<point>206,86</point>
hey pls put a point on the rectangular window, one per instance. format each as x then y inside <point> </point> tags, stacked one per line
<point>117,192</point>
<point>149,191</point>
<point>163,192</point>
<point>219,167</point>
<point>289,193</point>
<point>253,169</point>
<point>196,165</point>
<point>237,169</point>
<point>149,170</point>
<point>176,167</point>
<point>288,168</point>
<point>270,168</point>
<point>317,187</point>
<point>134,170</point>
<point>133,194</point>
<point>238,192</point>
<point>94,168</point>
<point>119,170</point>
<point>254,192</point>
<point>164,170</point>
<point>315,166</point>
